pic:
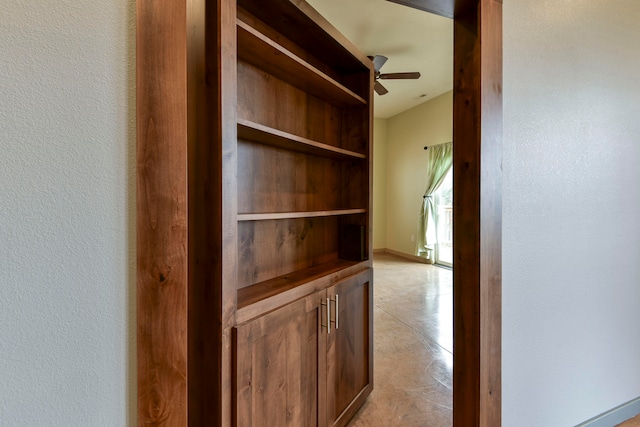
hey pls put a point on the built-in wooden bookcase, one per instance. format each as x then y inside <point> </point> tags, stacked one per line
<point>254,216</point>
<point>303,220</point>
<point>303,153</point>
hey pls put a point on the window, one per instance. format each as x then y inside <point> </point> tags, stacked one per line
<point>444,221</point>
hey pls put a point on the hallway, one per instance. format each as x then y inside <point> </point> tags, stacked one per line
<point>413,344</point>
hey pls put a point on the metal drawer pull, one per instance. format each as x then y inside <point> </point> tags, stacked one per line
<point>328,324</point>
<point>337,311</point>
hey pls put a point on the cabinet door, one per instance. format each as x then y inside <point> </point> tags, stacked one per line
<point>276,369</point>
<point>349,347</point>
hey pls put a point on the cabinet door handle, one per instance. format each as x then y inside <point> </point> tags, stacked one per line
<point>328,324</point>
<point>328,317</point>
<point>337,311</point>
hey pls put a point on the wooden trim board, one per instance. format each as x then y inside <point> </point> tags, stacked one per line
<point>615,416</point>
<point>477,192</point>
<point>410,257</point>
<point>161,182</point>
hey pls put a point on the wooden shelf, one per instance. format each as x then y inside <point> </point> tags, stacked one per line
<point>294,215</point>
<point>262,297</point>
<point>277,138</point>
<point>257,49</point>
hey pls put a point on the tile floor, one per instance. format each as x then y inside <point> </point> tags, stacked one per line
<point>413,342</point>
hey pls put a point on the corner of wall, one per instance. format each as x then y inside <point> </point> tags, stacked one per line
<point>380,183</point>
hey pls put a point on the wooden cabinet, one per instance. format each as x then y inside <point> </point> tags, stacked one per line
<point>254,207</point>
<point>308,363</point>
<point>277,372</point>
<point>349,348</point>
<point>303,219</point>
<point>303,155</point>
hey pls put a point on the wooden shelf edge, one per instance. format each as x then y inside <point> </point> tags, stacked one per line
<point>261,298</point>
<point>296,215</point>
<point>259,50</point>
<point>256,7</point>
<point>266,135</point>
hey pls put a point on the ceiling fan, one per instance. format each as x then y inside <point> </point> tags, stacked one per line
<point>378,62</point>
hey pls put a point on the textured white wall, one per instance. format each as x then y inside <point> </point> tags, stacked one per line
<point>430,123</point>
<point>571,285</point>
<point>571,209</point>
<point>67,214</point>
<point>380,184</point>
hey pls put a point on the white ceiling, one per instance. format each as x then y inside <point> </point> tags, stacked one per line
<point>412,40</point>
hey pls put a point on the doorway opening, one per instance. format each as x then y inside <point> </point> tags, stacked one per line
<point>477,136</point>
<point>413,301</point>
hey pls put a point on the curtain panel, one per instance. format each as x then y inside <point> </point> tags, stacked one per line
<point>440,158</point>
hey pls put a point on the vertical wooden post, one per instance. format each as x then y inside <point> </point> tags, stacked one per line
<point>186,124</point>
<point>478,213</point>
<point>229,156</point>
<point>205,221</point>
<point>161,213</point>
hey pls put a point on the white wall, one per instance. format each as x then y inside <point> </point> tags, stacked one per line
<point>571,206</point>
<point>67,214</point>
<point>380,184</point>
<point>430,123</point>
<point>571,248</point>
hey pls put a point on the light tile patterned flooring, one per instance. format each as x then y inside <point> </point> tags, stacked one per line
<point>413,347</point>
<point>413,344</point>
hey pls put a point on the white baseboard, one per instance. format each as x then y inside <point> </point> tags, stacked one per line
<point>414,258</point>
<point>614,416</point>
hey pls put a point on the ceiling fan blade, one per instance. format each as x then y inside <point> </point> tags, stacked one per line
<point>394,76</point>
<point>380,90</point>
<point>378,61</point>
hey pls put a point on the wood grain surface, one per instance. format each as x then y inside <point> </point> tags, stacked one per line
<point>268,249</point>
<point>478,213</point>
<point>258,49</point>
<point>252,131</point>
<point>161,214</point>
<point>276,180</point>
<point>349,347</point>
<point>277,367</point>
<point>217,214</point>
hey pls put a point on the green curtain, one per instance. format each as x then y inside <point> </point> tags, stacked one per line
<point>439,162</point>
